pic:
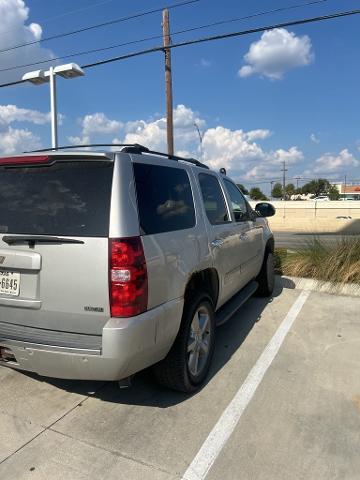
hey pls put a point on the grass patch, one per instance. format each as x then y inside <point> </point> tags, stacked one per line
<point>337,262</point>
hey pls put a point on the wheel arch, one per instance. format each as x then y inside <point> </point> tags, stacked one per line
<point>206,280</point>
<point>270,245</point>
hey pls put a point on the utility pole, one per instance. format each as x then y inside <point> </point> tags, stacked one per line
<point>168,83</point>
<point>284,170</point>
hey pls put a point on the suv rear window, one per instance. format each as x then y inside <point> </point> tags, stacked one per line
<point>164,196</point>
<point>67,198</point>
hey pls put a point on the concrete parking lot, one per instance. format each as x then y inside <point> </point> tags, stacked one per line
<point>297,418</point>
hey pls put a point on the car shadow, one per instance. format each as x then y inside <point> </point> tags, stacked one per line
<point>145,392</point>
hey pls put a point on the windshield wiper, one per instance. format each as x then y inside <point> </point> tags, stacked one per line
<point>32,239</point>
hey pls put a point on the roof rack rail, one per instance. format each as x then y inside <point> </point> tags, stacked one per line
<point>135,146</point>
<point>176,158</point>
<point>127,148</point>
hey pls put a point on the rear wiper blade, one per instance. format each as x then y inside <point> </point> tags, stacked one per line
<point>32,239</point>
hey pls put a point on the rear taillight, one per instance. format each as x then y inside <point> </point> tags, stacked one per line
<point>128,277</point>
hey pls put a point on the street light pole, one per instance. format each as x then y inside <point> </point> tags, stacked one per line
<point>200,139</point>
<point>53,108</point>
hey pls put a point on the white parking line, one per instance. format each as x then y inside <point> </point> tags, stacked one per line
<point>220,434</point>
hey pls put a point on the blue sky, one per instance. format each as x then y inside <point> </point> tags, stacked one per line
<point>297,99</point>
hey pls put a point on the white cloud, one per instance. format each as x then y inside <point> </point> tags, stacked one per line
<point>291,156</point>
<point>276,52</point>
<point>14,140</point>
<point>153,133</point>
<point>93,124</point>
<point>330,163</point>
<point>83,140</point>
<point>271,164</point>
<point>99,123</point>
<point>229,148</point>
<point>205,63</point>
<point>14,31</point>
<point>184,117</point>
<point>314,138</point>
<point>244,158</point>
<point>238,151</point>
<point>259,134</point>
<point>12,113</point>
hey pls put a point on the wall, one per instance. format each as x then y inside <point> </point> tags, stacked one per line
<point>318,217</point>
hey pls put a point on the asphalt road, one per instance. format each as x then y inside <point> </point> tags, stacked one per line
<point>296,240</point>
<point>282,402</point>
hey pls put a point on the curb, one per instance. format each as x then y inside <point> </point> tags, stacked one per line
<point>349,289</point>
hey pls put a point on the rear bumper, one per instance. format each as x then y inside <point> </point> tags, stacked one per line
<point>128,346</point>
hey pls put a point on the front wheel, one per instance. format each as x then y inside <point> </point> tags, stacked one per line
<point>266,277</point>
<point>187,364</point>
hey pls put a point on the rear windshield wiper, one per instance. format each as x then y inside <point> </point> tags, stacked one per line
<point>32,239</point>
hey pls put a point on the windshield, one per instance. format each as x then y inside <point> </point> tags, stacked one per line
<point>66,198</point>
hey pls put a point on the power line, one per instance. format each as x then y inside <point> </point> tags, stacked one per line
<point>155,37</point>
<point>211,38</point>
<point>65,14</point>
<point>226,35</point>
<point>99,25</point>
<point>71,12</point>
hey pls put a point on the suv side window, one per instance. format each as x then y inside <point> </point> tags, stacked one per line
<point>164,196</point>
<point>213,199</point>
<point>238,202</point>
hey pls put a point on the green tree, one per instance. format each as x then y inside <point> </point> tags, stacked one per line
<point>289,190</point>
<point>244,190</point>
<point>333,193</point>
<point>257,194</point>
<point>276,192</point>
<point>316,187</point>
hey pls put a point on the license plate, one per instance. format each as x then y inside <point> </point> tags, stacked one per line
<point>9,283</point>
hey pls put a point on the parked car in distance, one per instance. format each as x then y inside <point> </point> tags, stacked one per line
<point>321,198</point>
<point>111,262</point>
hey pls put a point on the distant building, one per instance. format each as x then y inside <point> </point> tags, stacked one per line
<point>350,192</point>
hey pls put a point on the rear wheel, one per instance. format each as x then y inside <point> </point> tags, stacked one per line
<point>266,277</point>
<point>188,362</point>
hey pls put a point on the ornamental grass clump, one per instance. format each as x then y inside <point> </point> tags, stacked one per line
<point>337,262</point>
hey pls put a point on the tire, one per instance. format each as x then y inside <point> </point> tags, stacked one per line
<point>266,277</point>
<point>187,364</point>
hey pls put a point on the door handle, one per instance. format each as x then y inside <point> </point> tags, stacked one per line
<point>217,243</point>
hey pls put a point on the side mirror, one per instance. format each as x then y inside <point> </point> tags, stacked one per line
<point>265,209</point>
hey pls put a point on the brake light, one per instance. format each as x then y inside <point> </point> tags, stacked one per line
<point>29,160</point>
<point>128,277</point>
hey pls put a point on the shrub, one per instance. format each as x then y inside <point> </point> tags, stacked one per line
<point>337,262</point>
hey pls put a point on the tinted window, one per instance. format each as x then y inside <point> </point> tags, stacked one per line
<point>66,198</point>
<point>165,201</point>
<point>238,202</point>
<point>213,198</point>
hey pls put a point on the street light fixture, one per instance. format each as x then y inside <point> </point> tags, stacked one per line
<point>38,77</point>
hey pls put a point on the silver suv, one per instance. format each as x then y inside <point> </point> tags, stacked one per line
<point>111,262</point>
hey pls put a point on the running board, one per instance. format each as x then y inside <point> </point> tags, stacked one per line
<point>232,306</point>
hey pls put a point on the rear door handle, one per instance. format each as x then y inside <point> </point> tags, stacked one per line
<point>217,243</point>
